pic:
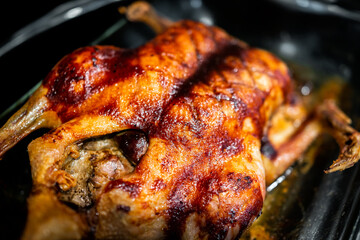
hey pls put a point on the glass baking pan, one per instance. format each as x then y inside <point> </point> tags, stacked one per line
<point>318,39</point>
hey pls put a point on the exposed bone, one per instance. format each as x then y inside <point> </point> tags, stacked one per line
<point>143,12</point>
<point>32,116</point>
<point>338,125</point>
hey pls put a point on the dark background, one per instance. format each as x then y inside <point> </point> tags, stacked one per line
<point>16,14</point>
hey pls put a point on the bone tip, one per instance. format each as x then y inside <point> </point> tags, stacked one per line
<point>136,10</point>
<point>335,167</point>
<point>328,171</point>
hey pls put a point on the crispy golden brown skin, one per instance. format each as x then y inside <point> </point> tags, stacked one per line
<point>203,100</point>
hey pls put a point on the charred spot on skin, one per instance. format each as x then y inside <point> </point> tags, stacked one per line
<point>133,144</point>
<point>158,185</point>
<point>229,145</point>
<point>133,188</point>
<point>123,208</point>
<point>236,182</point>
<point>267,148</point>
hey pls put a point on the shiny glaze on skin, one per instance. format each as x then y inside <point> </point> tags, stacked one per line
<point>83,80</point>
<point>208,96</point>
<point>202,98</point>
<point>204,123</point>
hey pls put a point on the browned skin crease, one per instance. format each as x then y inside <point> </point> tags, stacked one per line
<point>215,145</point>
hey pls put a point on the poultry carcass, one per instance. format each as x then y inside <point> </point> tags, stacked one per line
<point>166,140</point>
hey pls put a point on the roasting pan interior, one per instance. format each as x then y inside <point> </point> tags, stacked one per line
<point>317,43</point>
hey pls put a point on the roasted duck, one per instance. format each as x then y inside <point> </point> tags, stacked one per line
<point>175,139</point>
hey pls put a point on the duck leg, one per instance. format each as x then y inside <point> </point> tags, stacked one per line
<point>47,216</point>
<point>338,125</point>
<point>33,115</point>
<point>326,117</point>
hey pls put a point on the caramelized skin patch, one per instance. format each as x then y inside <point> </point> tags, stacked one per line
<point>133,86</point>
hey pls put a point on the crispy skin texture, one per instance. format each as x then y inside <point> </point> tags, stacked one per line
<point>203,99</point>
